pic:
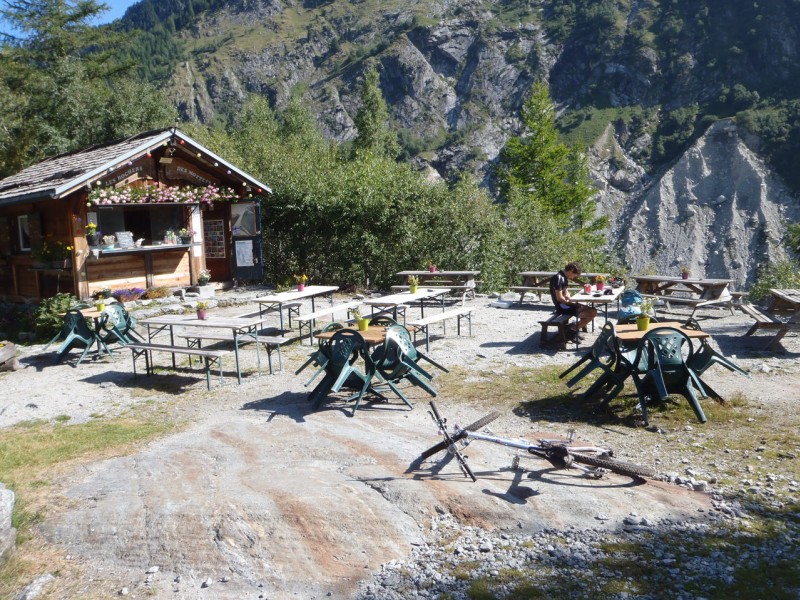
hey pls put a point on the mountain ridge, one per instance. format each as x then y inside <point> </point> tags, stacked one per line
<point>455,75</point>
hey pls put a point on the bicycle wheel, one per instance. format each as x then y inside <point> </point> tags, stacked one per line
<point>479,424</point>
<point>615,466</point>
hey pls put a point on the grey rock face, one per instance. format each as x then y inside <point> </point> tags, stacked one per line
<point>8,535</point>
<point>718,210</point>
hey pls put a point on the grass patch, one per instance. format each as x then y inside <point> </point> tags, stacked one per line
<point>33,454</point>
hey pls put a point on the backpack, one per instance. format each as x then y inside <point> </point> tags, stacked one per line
<point>630,297</point>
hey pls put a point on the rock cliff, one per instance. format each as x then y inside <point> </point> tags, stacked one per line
<point>718,209</point>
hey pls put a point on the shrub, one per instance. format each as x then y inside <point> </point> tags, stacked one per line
<point>158,292</point>
<point>785,274</point>
<point>128,295</point>
<point>49,314</point>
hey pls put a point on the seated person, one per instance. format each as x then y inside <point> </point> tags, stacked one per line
<point>561,298</point>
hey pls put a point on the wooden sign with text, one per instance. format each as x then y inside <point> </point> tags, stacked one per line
<point>181,170</point>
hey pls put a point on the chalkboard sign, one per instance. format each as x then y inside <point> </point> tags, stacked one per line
<point>125,239</point>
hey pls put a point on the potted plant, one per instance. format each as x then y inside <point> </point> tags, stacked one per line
<point>185,235</point>
<point>685,271</point>
<point>42,256</point>
<point>92,235</point>
<point>301,281</point>
<point>362,322</point>
<point>599,283</point>
<point>643,320</point>
<point>61,256</point>
<point>413,282</point>
<point>100,303</point>
<point>431,266</point>
<point>109,241</point>
<point>203,277</point>
<point>202,308</point>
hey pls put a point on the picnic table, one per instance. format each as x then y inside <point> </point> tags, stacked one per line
<point>242,329</point>
<point>538,282</point>
<point>281,299</point>
<point>604,297</point>
<point>393,301</point>
<point>695,292</point>
<point>454,281</point>
<point>782,302</point>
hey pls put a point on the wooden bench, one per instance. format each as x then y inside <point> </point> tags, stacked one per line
<point>209,357</point>
<point>310,318</point>
<point>195,340</point>
<point>561,323</point>
<point>768,321</point>
<point>424,323</point>
<point>523,289</point>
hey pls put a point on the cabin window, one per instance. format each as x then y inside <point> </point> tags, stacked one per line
<point>24,232</point>
<point>150,223</point>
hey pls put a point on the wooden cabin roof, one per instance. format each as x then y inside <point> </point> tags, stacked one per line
<point>57,176</point>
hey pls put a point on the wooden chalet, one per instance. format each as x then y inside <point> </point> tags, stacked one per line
<point>144,191</point>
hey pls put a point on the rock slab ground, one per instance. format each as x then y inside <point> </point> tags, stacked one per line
<point>263,497</point>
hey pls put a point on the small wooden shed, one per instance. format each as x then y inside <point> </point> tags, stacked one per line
<point>156,209</point>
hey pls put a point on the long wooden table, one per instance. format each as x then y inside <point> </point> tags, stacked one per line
<point>596,297</point>
<point>695,292</point>
<point>241,327</point>
<point>374,335</point>
<point>393,301</point>
<point>538,282</point>
<point>281,299</point>
<point>630,333</point>
<point>463,281</point>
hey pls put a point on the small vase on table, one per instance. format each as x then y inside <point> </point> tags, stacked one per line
<point>301,287</point>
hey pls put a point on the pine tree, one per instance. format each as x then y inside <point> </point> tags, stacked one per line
<point>61,90</point>
<point>546,170</point>
<point>372,121</point>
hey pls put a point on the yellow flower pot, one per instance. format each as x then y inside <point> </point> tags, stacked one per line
<point>363,324</point>
<point>642,323</point>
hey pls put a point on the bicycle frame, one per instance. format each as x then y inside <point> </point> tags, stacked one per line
<point>556,451</point>
<point>560,453</point>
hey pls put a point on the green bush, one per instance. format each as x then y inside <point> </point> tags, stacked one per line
<point>49,314</point>
<point>784,274</point>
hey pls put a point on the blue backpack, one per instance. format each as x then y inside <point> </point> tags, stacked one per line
<point>630,297</point>
<point>629,304</point>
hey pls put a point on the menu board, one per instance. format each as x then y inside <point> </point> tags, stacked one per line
<point>125,239</point>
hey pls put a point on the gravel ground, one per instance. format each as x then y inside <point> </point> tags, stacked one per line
<point>702,531</point>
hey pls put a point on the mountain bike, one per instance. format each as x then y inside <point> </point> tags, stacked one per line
<point>562,454</point>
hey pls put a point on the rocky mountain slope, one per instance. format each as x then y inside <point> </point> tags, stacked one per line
<point>640,81</point>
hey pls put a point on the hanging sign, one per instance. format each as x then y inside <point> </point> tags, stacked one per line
<point>182,170</point>
<point>141,168</point>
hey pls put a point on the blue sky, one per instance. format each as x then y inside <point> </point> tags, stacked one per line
<point>117,8</point>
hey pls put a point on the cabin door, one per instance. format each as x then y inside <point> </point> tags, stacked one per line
<point>217,241</point>
<point>248,264</point>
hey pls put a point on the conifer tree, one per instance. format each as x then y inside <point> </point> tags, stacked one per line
<point>372,121</point>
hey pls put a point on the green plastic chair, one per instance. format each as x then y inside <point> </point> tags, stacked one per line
<point>394,364</point>
<point>383,321</point>
<point>661,367</point>
<point>76,333</point>
<point>319,357</point>
<point>703,359</point>
<point>116,325</point>
<point>346,346</point>
<point>599,356</point>
<point>631,319</point>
